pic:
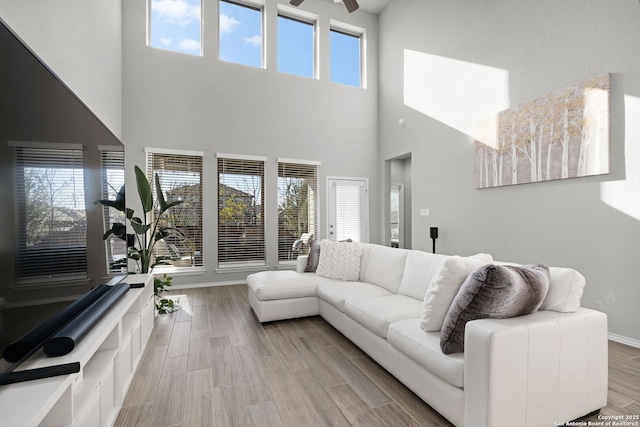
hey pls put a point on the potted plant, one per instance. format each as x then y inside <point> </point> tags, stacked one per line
<point>163,305</point>
<point>146,232</point>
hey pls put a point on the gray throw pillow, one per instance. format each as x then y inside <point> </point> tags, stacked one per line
<point>493,292</point>
<point>314,257</point>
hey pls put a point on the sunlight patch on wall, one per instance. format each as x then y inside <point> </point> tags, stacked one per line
<point>454,92</point>
<point>624,195</point>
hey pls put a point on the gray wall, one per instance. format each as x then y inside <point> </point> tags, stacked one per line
<point>492,55</point>
<point>81,41</point>
<point>172,100</point>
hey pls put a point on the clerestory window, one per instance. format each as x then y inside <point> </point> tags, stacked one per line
<point>296,45</point>
<point>240,33</point>
<point>346,44</point>
<point>175,25</point>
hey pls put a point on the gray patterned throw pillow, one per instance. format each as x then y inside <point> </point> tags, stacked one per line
<point>493,292</point>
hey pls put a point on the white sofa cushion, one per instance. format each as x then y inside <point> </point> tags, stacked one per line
<point>364,261</point>
<point>339,260</point>
<point>337,293</point>
<point>420,269</point>
<point>385,267</point>
<point>377,313</point>
<point>443,288</point>
<point>275,285</point>
<point>407,337</point>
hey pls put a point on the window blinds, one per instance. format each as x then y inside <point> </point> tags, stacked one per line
<point>297,207</point>
<point>52,226</point>
<point>348,212</point>
<point>180,179</point>
<point>112,171</point>
<point>240,212</point>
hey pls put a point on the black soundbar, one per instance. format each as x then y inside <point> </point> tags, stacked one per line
<point>65,340</point>
<point>32,340</point>
<point>38,373</point>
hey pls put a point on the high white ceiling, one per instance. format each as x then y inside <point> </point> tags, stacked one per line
<point>373,6</point>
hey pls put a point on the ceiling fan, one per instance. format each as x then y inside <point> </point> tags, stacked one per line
<point>351,5</point>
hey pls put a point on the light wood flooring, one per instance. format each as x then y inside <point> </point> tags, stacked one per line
<point>214,364</point>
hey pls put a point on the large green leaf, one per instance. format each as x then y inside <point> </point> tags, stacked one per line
<point>166,232</point>
<point>163,205</point>
<point>159,196</point>
<point>120,199</point>
<point>172,204</point>
<point>117,204</point>
<point>138,227</point>
<point>118,229</point>
<point>144,190</point>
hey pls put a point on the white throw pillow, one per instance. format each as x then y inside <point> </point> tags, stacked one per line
<point>565,290</point>
<point>444,287</point>
<point>339,260</point>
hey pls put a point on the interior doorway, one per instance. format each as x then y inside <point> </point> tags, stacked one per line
<point>399,217</point>
<point>396,226</point>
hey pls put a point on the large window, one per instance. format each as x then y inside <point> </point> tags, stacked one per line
<point>240,211</point>
<point>297,207</point>
<point>296,45</point>
<point>346,56</point>
<point>176,25</point>
<point>180,174</point>
<point>112,169</point>
<point>52,225</point>
<point>241,33</point>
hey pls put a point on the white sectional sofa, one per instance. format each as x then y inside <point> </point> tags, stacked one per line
<point>535,370</point>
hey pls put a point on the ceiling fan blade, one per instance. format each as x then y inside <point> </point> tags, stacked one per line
<point>352,5</point>
<point>296,2</point>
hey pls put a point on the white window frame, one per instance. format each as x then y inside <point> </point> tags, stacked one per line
<point>309,18</point>
<point>316,201</point>
<point>177,270</point>
<point>148,32</point>
<point>355,31</point>
<point>245,265</point>
<point>260,5</point>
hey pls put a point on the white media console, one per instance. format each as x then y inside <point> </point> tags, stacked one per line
<point>109,356</point>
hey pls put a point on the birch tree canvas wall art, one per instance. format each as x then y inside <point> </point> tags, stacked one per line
<point>557,136</point>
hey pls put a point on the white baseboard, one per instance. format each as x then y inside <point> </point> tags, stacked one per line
<point>624,340</point>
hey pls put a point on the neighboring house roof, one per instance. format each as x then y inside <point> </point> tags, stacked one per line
<point>227,190</point>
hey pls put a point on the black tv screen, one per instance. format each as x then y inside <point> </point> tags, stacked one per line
<point>63,239</point>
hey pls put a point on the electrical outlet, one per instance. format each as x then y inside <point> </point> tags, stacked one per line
<point>424,212</point>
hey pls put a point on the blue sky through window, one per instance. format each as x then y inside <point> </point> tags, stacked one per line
<point>295,47</point>
<point>240,34</point>
<point>345,58</point>
<point>175,25</point>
